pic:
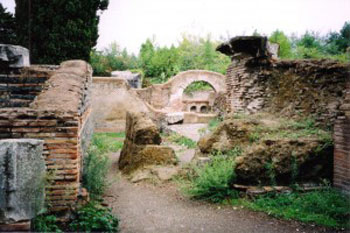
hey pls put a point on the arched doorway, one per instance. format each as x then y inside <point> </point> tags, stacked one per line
<point>198,97</point>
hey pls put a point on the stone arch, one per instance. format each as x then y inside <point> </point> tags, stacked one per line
<point>178,84</point>
<point>193,108</point>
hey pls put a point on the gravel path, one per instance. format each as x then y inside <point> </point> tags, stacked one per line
<point>146,208</point>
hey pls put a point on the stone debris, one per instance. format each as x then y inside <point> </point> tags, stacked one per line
<point>175,118</point>
<point>14,56</point>
<point>142,145</point>
<point>134,79</point>
<point>22,179</point>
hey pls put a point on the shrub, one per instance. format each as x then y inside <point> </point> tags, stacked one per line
<point>212,181</point>
<point>94,217</point>
<point>46,223</point>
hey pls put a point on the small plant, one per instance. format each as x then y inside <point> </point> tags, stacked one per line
<point>212,181</point>
<point>254,137</point>
<point>94,218</point>
<point>46,223</point>
<point>236,151</point>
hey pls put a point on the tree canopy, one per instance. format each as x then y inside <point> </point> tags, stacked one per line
<point>58,30</point>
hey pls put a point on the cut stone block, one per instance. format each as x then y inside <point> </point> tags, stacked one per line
<point>14,56</point>
<point>22,176</point>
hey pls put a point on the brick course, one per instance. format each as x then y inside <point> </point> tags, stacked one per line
<point>60,115</point>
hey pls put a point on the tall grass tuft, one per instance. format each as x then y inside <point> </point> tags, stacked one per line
<point>212,181</point>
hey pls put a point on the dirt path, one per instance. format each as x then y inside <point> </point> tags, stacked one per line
<point>188,130</point>
<point>146,208</point>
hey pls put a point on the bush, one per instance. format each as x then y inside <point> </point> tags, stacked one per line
<point>46,223</point>
<point>326,207</point>
<point>212,181</point>
<point>94,218</point>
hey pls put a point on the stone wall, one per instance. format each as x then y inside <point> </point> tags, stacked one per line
<point>60,116</point>
<point>342,146</point>
<point>111,99</point>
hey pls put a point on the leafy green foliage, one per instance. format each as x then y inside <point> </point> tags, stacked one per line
<point>279,37</point>
<point>7,27</point>
<point>212,181</point>
<point>326,207</point>
<point>198,86</point>
<point>112,58</point>
<point>97,163</point>
<point>46,223</point>
<point>58,30</point>
<point>94,218</point>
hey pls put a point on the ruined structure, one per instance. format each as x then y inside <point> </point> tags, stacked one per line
<point>142,145</point>
<point>133,79</point>
<point>111,98</point>
<point>168,96</point>
<point>22,180</point>
<point>51,104</point>
<point>294,88</point>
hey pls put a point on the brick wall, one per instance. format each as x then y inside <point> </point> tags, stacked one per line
<point>60,115</point>
<point>341,178</point>
<point>295,88</point>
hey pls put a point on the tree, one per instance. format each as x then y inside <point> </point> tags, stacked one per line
<point>7,27</point>
<point>58,30</point>
<point>280,38</point>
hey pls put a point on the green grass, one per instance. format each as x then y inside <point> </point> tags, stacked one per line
<point>213,123</point>
<point>181,140</point>
<point>107,142</point>
<point>325,207</point>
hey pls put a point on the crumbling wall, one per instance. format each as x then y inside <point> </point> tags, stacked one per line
<point>60,116</point>
<point>342,145</point>
<point>142,145</point>
<point>295,88</point>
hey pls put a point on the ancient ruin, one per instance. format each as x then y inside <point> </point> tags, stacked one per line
<point>51,104</point>
<point>297,88</point>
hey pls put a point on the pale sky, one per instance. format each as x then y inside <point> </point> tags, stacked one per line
<point>131,22</point>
